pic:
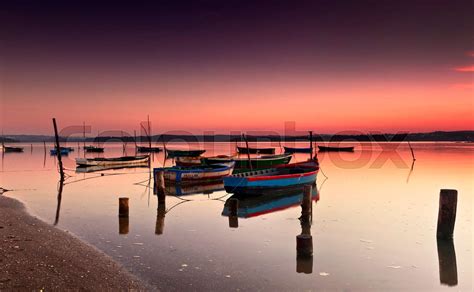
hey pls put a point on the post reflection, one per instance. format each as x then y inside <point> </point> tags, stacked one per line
<point>247,206</point>
<point>448,273</point>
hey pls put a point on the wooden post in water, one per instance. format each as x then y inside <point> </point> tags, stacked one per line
<point>58,152</point>
<point>84,135</point>
<point>304,241</point>
<point>44,144</point>
<point>233,205</point>
<point>311,144</point>
<point>160,218</point>
<point>248,151</point>
<point>446,213</point>
<point>160,186</point>
<point>123,207</point>
<point>448,272</point>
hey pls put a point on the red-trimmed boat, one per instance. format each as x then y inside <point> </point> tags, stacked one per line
<point>281,176</point>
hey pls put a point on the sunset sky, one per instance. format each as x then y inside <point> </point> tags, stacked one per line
<point>237,65</point>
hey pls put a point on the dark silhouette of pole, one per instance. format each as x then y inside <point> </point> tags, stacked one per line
<point>58,151</point>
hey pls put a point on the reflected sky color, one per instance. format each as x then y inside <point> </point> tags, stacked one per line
<point>233,65</point>
<point>373,227</point>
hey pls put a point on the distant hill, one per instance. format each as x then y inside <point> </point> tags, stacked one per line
<point>431,136</point>
<point>7,140</point>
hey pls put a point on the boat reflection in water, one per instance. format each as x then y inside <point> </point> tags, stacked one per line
<point>178,190</point>
<point>242,205</point>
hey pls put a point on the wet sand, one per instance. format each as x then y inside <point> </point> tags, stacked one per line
<point>35,255</point>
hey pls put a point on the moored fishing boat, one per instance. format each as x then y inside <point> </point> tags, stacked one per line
<point>93,149</point>
<point>278,177</point>
<point>88,169</point>
<point>334,149</point>
<point>12,149</point>
<point>242,164</point>
<point>184,153</point>
<point>63,151</point>
<point>250,150</point>
<point>115,161</point>
<point>298,150</point>
<point>194,174</point>
<point>148,149</point>
<point>188,161</point>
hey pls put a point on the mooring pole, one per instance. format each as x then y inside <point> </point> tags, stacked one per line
<point>58,151</point>
<point>446,213</point>
<point>248,151</point>
<point>311,144</point>
<point>233,205</point>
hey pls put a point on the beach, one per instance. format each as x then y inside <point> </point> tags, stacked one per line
<point>38,256</point>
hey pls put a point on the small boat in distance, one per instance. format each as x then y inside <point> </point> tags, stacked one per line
<point>89,169</point>
<point>115,161</point>
<point>184,153</point>
<point>95,149</point>
<point>334,149</point>
<point>63,151</point>
<point>148,149</point>
<point>12,149</point>
<point>298,150</point>
<point>243,164</point>
<point>250,150</point>
<point>187,161</point>
<point>283,176</point>
<point>194,174</point>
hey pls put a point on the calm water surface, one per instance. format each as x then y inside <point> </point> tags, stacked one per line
<point>373,226</point>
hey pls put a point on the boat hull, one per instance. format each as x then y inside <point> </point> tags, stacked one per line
<point>297,150</point>
<point>272,178</point>
<point>12,149</point>
<point>119,161</point>
<point>194,174</point>
<point>148,149</point>
<point>335,149</point>
<point>245,150</point>
<point>184,153</point>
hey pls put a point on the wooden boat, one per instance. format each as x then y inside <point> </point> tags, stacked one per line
<point>250,150</point>
<point>282,176</point>
<point>268,202</point>
<point>298,150</point>
<point>184,153</point>
<point>12,149</point>
<point>94,149</point>
<point>188,161</point>
<point>116,161</point>
<point>242,164</point>
<point>330,148</point>
<point>63,151</point>
<point>88,169</point>
<point>195,174</point>
<point>148,149</point>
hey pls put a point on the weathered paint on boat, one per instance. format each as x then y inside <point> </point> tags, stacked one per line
<point>184,153</point>
<point>188,161</point>
<point>116,161</point>
<point>278,177</point>
<point>297,150</point>
<point>250,150</point>
<point>195,173</point>
<point>329,148</point>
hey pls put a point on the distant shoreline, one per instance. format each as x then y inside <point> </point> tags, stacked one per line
<point>438,136</point>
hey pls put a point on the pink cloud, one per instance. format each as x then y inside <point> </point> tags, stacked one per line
<point>465,68</point>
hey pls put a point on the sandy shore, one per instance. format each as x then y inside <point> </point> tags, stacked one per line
<point>35,255</point>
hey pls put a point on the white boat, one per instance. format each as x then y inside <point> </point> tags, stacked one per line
<point>115,161</point>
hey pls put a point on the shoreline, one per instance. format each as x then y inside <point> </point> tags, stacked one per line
<point>35,255</point>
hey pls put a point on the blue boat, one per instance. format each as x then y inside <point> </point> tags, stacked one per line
<point>63,151</point>
<point>268,202</point>
<point>282,176</point>
<point>298,150</point>
<point>195,174</point>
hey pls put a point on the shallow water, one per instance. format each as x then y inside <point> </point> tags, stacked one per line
<point>373,222</point>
